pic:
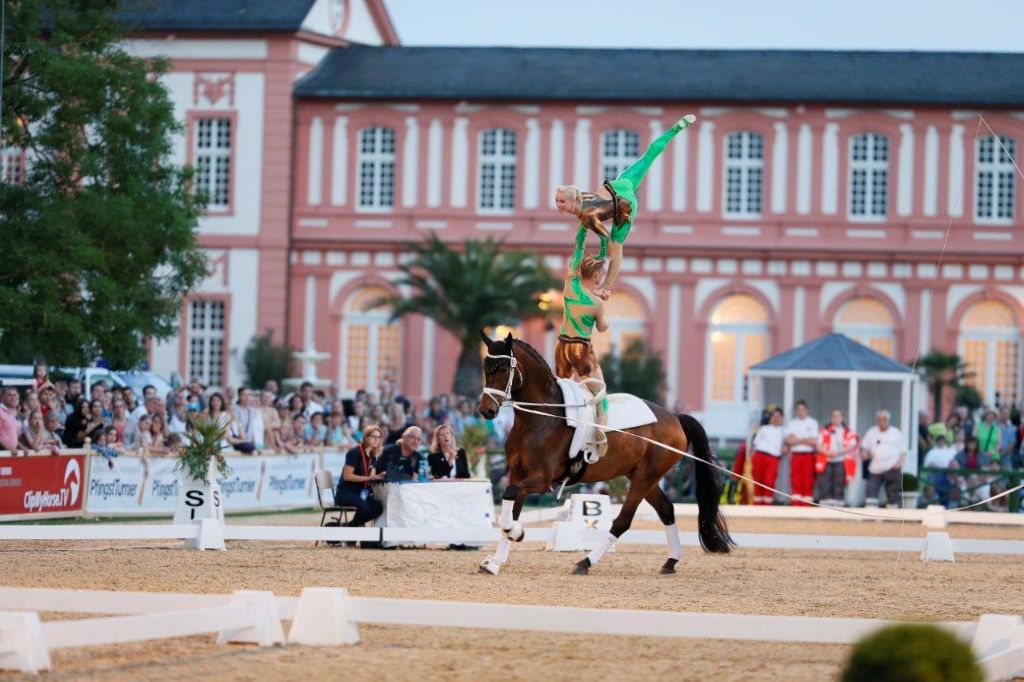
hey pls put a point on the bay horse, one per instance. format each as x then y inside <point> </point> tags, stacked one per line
<point>537,452</point>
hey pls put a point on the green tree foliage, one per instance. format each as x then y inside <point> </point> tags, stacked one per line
<point>99,234</point>
<point>912,653</point>
<point>942,370</point>
<point>467,289</point>
<point>637,370</point>
<point>264,360</point>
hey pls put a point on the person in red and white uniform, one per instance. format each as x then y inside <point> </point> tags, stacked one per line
<point>884,448</point>
<point>836,444</point>
<point>802,439</point>
<point>768,442</point>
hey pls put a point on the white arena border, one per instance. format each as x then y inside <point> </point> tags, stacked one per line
<point>209,534</point>
<point>329,616</point>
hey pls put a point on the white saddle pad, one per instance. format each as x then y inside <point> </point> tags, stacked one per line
<point>625,411</point>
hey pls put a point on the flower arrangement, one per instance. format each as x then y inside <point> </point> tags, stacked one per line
<point>202,444</point>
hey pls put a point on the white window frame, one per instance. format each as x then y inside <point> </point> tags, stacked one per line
<point>872,167</point>
<point>503,166</point>
<point>986,385</point>
<point>205,335</point>
<point>744,165</point>
<point>999,172</point>
<point>374,320</point>
<point>626,144</point>
<point>742,331</point>
<point>379,162</point>
<point>207,158</point>
<point>14,165</point>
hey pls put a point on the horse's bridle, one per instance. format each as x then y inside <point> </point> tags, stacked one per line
<point>506,395</point>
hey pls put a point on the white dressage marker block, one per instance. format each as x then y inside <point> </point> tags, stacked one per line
<point>937,547</point>
<point>996,634</point>
<point>324,618</point>
<point>935,516</point>
<point>565,537</point>
<point>266,628</point>
<point>21,642</point>
<point>211,535</point>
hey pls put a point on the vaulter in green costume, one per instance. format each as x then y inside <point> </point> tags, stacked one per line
<point>615,201</point>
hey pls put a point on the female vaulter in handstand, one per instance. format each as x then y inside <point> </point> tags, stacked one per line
<point>615,201</point>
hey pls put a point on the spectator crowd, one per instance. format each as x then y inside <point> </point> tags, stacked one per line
<point>52,415</point>
<point>964,457</point>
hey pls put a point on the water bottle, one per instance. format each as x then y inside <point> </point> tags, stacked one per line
<point>423,469</point>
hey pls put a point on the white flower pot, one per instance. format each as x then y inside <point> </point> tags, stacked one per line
<point>910,500</point>
<point>198,500</point>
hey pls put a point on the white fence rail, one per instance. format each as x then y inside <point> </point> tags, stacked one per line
<point>330,616</point>
<point>211,535</point>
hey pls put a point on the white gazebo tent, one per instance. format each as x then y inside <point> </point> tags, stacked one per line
<point>836,372</point>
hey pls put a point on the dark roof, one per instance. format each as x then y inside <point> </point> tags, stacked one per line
<point>834,352</point>
<point>214,15</point>
<point>577,75</point>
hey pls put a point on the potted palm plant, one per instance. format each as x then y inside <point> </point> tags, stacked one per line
<point>200,462</point>
<point>910,491</point>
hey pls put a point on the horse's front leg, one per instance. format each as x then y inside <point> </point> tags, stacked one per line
<point>508,522</point>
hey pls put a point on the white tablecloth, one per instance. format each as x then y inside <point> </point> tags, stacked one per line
<point>436,504</point>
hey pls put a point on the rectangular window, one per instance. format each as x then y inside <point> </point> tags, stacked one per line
<point>869,176</point>
<point>995,182</point>
<point>376,168</point>
<point>13,169</point>
<point>744,168</point>
<point>206,341</point>
<point>212,154</point>
<point>619,149</point>
<point>497,170</point>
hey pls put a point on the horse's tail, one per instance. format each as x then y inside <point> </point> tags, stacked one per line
<point>714,535</point>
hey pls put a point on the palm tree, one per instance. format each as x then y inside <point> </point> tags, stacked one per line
<point>942,370</point>
<point>466,290</point>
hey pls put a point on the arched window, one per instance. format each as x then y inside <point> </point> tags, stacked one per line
<point>497,171</point>
<point>744,169</point>
<point>738,338</point>
<point>869,176</point>
<point>995,180</point>
<point>867,321</point>
<point>619,148</point>
<point>990,347</point>
<point>370,342</point>
<point>376,168</point>
<point>627,315</point>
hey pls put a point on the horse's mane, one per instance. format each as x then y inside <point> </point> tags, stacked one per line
<point>532,352</point>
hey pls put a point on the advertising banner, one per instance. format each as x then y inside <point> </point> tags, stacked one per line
<point>160,485</point>
<point>115,485</point>
<point>240,489</point>
<point>288,481</point>
<point>42,487</point>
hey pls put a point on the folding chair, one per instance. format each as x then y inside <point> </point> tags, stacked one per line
<point>325,496</point>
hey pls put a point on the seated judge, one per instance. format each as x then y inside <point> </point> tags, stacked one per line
<point>447,459</point>
<point>403,454</point>
<point>356,478</point>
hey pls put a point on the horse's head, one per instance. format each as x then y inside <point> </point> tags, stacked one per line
<point>500,372</point>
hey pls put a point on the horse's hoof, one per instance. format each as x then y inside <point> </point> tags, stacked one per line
<point>669,567</point>
<point>489,567</point>
<point>515,533</point>
<point>582,568</point>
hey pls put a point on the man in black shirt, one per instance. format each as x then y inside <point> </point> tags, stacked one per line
<point>402,455</point>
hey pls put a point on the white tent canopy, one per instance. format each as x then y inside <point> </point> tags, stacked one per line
<point>835,372</point>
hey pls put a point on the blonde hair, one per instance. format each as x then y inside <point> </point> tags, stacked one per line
<point>366,438</point>
<point>435,439</point>
<point>590,266</point>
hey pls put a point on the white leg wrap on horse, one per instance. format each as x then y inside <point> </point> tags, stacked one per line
<point>675,547</point>
<point>602,548</point>
<point>501,555</point>
<point>505,517</point>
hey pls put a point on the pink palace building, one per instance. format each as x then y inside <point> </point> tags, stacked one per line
<point>873,194</point>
